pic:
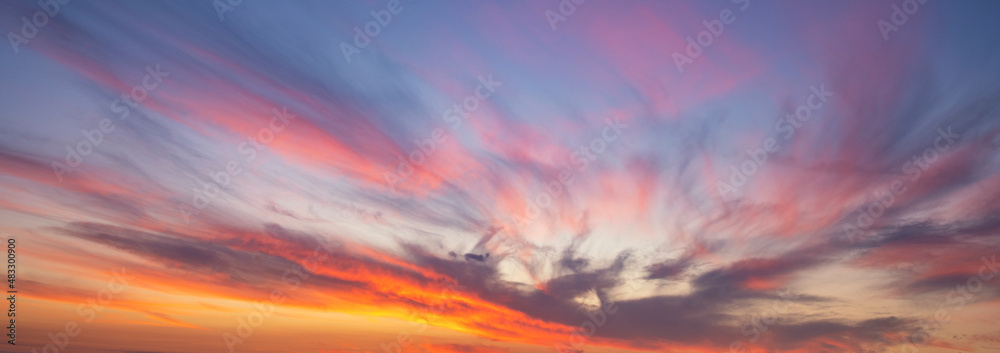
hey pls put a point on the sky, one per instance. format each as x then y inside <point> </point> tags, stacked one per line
<point>501,176</point>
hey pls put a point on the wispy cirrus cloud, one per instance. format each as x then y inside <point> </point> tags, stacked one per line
<point>462,244</point>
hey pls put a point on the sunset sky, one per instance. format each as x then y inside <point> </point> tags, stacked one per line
<point>502,176</point>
